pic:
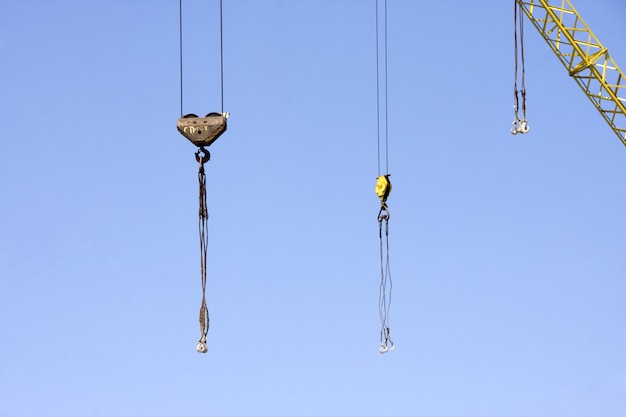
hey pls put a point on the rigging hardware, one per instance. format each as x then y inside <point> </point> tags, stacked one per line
<point>202,132</point>
<point>586,60</point>
<point>383,185</point>
<point>383,188</point>
<point>520,124</point>
<point>202,156</point>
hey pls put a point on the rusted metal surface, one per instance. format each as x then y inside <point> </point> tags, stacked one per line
<point>202,131</point>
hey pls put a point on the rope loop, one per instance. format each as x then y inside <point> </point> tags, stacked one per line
<point>520,124</point>
<point>203,230</point>
<point>386,344</point>
<point>386,285</point>
<point>383,213</point>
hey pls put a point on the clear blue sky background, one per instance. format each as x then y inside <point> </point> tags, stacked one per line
<point>507,252</point>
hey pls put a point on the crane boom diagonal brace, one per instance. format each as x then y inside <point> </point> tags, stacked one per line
<point>584,57</point>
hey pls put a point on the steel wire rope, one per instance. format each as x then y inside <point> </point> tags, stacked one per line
<point>180,51</point>
<point>386,99</point>
<point>221,57</point>
<point>377,90</point>
<point>386,284</point>
<point>203,231</point>
<point>180,48</point>
<point>520,125</point>
<point>521,34</point>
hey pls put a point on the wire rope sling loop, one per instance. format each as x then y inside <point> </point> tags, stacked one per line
<point>202,132</point>
<point>383,188</point>
<point>520,124</point>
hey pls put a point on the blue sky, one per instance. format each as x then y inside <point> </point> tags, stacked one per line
<point>507,252</point>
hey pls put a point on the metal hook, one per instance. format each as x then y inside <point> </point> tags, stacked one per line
<point>206,157</point>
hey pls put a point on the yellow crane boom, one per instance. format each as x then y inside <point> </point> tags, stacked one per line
<point>584,57</point>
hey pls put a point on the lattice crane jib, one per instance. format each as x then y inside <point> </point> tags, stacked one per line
<point>587,61</point>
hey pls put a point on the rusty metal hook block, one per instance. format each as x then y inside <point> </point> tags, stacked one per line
<point>202,131</point>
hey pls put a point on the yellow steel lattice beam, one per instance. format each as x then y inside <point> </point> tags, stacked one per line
<point>584,57</point>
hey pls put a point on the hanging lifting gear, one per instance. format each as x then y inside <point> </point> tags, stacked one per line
<point>202,131</point>
<point>520,125</point>
<point>382,189</point>
<point>202,156</point>
<point>383,184</point>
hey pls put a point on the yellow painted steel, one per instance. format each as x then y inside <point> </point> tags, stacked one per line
<point>584,57</point>
<point>383,187</point>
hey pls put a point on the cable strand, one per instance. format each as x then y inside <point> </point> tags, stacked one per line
<point>386,100</point>
<point>377,88</point>
<point>386,284</point>
<point>180,51</point>
<point>521,32</point>
<point>221,58</point>
<point>520,124</point>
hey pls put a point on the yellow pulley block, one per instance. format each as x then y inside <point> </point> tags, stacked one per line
<point>383,187</point>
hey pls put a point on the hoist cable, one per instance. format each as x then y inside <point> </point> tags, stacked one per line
<point>180,50</point>
<point>221,58</point>
<point>180,47</point>
<point>386,100</point>
<point>516,102</point>
<point>378,88</point>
